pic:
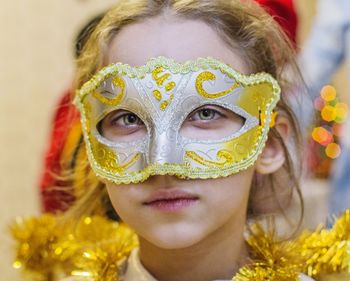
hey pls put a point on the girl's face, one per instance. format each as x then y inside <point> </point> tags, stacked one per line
<point>167,211</point>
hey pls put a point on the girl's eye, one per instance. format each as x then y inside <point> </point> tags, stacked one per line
<point>122,125</point>
<point>205,114</point>
<point>211,122</point>
<point>128,119</point>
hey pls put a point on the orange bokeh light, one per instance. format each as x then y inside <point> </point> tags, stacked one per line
<point>328,93</point>
<point>322,136</point>
<point>333,150</point>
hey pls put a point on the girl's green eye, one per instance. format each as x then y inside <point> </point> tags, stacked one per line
<point>211,122</point>
<point>206,114</point>
<point>130,119</point>
<point>122,125</point>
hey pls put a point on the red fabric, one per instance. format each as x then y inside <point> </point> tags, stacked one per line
<point>52,199</point>
<point>284,13</point>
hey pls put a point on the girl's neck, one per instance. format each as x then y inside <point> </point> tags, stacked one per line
<point>217,257</point>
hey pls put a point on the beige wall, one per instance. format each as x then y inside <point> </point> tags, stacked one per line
<point>35,66</point>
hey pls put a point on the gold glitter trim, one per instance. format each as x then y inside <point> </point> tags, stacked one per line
<point>205,76</point>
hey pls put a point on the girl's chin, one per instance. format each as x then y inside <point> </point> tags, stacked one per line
<point>171,241</point>
<point>173,245</point>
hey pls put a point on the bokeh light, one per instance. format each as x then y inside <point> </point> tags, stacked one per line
<point>328,93</point>
<point>329,113</point>
<point>341,112</point>
<point>333,114</point>
<point>333,150</point>
<point>322,136</point>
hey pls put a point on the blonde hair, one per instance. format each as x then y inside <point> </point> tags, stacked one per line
<point>248,30</point>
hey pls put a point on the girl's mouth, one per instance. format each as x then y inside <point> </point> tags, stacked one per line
<point>171,201</point>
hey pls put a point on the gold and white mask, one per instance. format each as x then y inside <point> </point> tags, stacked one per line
<point>135,119</point>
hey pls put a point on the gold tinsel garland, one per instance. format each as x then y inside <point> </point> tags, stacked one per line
<point>327,251</point>
<point>36,238</point>
<point>270,259</point>
<point>95,246</point>
<point>90,248</point>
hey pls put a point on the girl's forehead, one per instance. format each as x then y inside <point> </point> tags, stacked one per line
<point>179,39</point>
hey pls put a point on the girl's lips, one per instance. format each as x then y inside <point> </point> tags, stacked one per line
<point>172,205</point>
<point>171,201</point>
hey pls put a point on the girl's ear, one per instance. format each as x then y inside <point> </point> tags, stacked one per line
<point>272,157</point>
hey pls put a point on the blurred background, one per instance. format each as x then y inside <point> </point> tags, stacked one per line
<point>36,66</point>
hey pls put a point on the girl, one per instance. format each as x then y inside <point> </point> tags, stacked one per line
<point>177,99</point>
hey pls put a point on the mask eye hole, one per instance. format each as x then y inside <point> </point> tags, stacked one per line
<point>211,122</point>
<point>121,126</point>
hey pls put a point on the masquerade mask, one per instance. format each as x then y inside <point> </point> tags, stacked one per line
<point>200,119</point>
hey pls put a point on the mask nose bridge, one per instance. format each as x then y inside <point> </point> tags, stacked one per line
<point>162,147</point>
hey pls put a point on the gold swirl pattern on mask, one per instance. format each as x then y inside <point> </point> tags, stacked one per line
<point>224,156</point>
<point>158,95</point>
<point>170,86</point>
<point>165,103</point>
<point>160,79</point>
<point>117,82</point>
<point>241,147</point>
<point>233,151</point>
<point>205,76</point>
<point>107,159</point>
